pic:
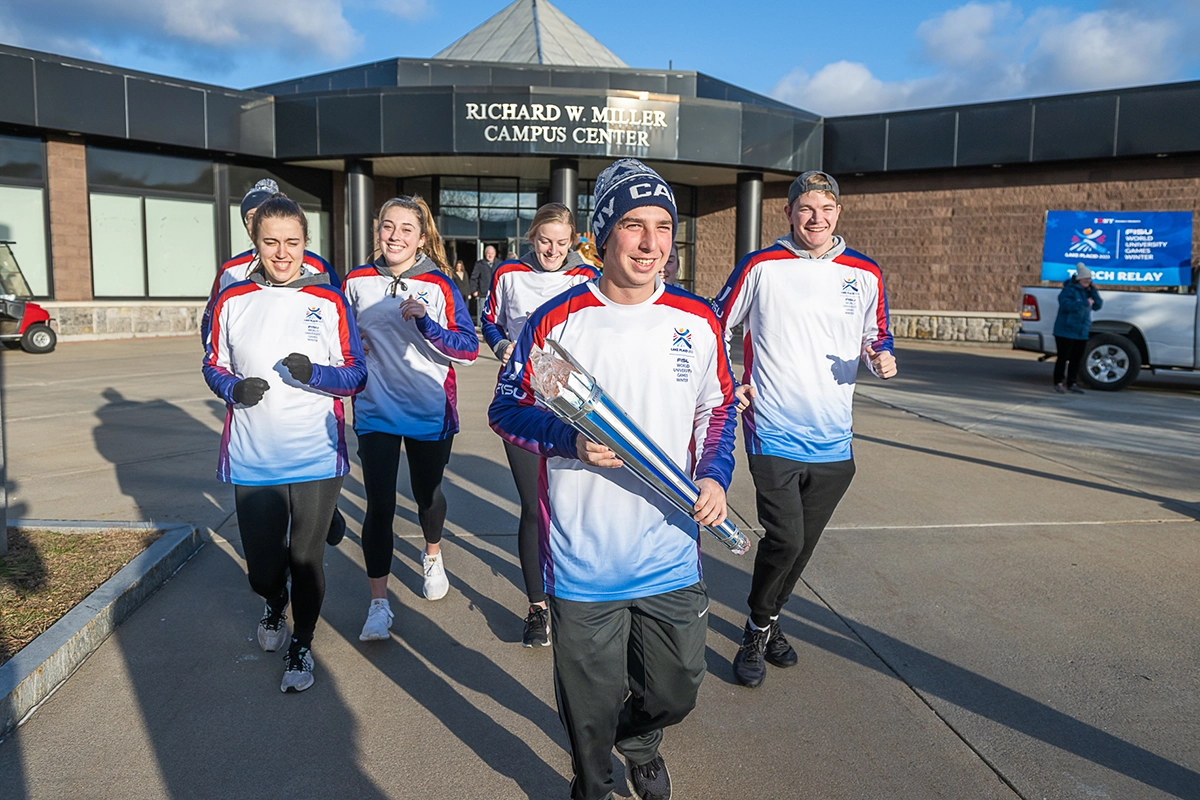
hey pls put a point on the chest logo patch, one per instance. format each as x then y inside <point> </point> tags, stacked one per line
<point>423,296</point>
<point>850,286</point>
<point>313,315</point>
<point>313,324</point>
<point>682,342</point>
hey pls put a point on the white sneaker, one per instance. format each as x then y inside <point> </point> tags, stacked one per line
<point>298,674</point>
<point>436,583</point>
<point>272,632</point>
<point>379,621</point>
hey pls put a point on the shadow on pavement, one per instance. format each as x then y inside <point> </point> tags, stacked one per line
<point>812,623</point>
<point>1169,503</point>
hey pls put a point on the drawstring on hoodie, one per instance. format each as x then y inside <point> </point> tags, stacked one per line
<point>399,279</point>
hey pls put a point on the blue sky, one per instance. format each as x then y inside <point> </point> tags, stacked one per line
<point>831,58</point>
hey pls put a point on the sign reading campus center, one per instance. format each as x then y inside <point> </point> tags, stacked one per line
<point>623,124</point>
<point>1131,248</point>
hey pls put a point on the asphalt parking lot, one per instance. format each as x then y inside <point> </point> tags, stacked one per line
<point>1004,606</point>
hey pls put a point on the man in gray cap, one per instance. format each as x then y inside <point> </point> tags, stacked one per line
<point>813,310</point>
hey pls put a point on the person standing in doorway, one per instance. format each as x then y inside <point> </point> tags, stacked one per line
<point>481,281</point>
<point>1072,326</point>
<point>416,328</point>
<point>462,281</point>
<point>620,564</point>
<point>518,289</point>
<point>813,309</point>
<point>282,353</point>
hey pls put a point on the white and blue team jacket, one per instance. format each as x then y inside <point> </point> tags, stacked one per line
<point>296,432</point>
<point>808,322</point>
<point>604,535</point>
<point>519,288</point>
<point>413,390</point>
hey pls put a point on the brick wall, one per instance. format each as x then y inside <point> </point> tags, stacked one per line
<point>968,241</point>
<point>70,236</point>
<point>957,240</point>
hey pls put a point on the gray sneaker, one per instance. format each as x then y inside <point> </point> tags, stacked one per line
<point>651,781</point>
<point>298,672</point>
<point>272,632</point>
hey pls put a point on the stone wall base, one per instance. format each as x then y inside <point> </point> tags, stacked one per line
<point>954,326</point>
<point>82,321</point>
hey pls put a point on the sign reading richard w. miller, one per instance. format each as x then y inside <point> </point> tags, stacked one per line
<point>1131,248</point>
<point>621,124</point>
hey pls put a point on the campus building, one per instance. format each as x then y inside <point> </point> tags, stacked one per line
<point>104,171</point>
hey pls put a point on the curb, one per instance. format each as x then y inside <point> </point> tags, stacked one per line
<point>34,673</point>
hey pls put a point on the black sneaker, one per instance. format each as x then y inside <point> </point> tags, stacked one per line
<point>748,665</point>
<point>337,529</point>
<point>537,628</point>
<point>651,781</point>
<point>1073,389</point>
<point>779,651</point>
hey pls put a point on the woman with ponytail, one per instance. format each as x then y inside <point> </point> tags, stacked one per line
<point>518,289</point>
<point>416,327</point>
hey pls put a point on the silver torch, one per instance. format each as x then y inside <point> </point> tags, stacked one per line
<point>561,385</point>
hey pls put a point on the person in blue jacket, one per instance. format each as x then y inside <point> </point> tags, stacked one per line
<point>1076,302</point>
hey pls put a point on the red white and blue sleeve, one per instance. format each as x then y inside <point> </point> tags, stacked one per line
<point>346,375</point>
<point>876,324</point>
<point>217,373</point>
<point>514,413</point>
<point>733,302</point>
<point>493,319</point>
<point>714,431</point>
<point>316,262</point>
<point>457,341</point>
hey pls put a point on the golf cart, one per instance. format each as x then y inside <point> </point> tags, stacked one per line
<point>22,322</point>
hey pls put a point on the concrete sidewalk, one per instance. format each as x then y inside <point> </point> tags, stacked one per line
<point>982,621</point>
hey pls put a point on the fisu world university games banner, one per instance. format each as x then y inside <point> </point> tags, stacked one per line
<point>1133,248</point>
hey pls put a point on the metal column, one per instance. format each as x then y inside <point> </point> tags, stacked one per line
<point>748,231</point>
<point>564,183</point>
<point>360,199</point>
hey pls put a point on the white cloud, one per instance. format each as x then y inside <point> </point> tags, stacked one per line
<point>992,51</point>
<point>84,28</point>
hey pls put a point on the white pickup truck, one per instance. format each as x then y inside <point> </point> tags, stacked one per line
<point>1159,330</point>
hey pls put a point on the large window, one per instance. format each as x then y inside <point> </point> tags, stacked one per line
<point>490,209</point>
<point>23,208</point>
<point>153,223</point>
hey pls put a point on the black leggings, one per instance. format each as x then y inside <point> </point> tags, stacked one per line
<point>264,514</point>
<point>525,468</point>
<point>380,457</point>
<point>795,501</point>
<point>1070,358</point>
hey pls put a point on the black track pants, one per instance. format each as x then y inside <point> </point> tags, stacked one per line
<point>525,468</point>
<point>380,457</point>
<point>795,501</point>
<point>1069,360</point>
<point>266,517</point>
<point>623,671</point>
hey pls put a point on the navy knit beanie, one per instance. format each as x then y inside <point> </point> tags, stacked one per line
<point>261,192</point>
<point>625,185</point>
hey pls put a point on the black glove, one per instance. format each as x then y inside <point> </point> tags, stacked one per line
<point>300,367</point>
<point>249,391</point>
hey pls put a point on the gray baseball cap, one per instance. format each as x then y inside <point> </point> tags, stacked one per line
<point>801,185</point>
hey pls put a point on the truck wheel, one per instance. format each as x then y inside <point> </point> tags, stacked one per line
<point>1110,362</point>
<point>38,338</point>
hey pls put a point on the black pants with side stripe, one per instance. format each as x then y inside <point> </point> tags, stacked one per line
<point>795,501</point>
